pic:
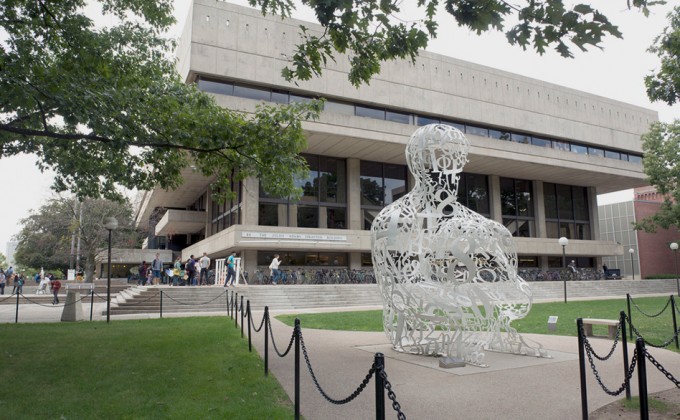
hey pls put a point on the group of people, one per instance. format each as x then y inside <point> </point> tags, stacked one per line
<point>192,272</point>
<point>45,281</point>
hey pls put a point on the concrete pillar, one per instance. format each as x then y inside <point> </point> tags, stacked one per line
<point>594,216</point>
<point>354,262</point>
<point>495,198</point>
<point>73,309</point>
<point>539,210</point>
<point>250,201</point>
<point>354,194</point>
<point>249,262</point>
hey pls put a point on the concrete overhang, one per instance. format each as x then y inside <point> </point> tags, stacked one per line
<point>176,222</point>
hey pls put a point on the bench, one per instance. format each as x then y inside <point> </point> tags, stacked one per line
<point>612,324</point>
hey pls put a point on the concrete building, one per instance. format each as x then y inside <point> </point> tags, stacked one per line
<point>9,254</point>
<point>540,153</point>
<point>651,254</point>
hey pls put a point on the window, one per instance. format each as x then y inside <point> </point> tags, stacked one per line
<point>221,88</point>
<point>460,127</point>
<point>365,111</point>
<point>426,120</point>
<point>476,131</point>
<point>517,207</point>
<point>537,141</point>
<point>294,259</point>
<point>251,92</point>
<point>595,151</point>
<point>400,117</point>
<point>338,108</point>
<point>228,212</point>
<point>499,135</point>
<point>581,150</point>
<point>473,193</point>
<point>612,154</point>
<point>381,184</point>
<point>561,145</point>
<point>567,211</point>
<point>521,138</point>
<point>635,159</point>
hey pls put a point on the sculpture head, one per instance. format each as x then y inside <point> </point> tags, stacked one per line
<point>436,154</point>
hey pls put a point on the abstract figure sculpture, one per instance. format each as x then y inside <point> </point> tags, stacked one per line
<point>447,275</point>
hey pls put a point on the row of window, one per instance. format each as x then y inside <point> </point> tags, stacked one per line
<point>324,200</point>
<point>346,108</point>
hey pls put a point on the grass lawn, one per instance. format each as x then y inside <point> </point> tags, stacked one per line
<point>183,368</point>
<point>655,330</point>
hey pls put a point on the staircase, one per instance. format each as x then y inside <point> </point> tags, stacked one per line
<point>29,292</point>
<point>293,297</point>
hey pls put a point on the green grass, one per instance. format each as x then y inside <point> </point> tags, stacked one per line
<point>183,368</point>
<point>655,330</point>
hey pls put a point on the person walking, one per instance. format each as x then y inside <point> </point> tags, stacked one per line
<point>204,263</point>
<point>177,271</point>
<point>142,274</point>
<point>3,282</point>
<point>231,270</point>
<point>191,271</point>
<point>157,267</point>
<point>274,267</point>
<point>56,285</point>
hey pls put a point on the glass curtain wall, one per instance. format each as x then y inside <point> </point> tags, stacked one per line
<point>566,211</point>
<point>381,184</point>
<point>517,207</point>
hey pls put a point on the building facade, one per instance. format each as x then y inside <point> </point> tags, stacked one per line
<point>540,153</point>
<point>651,253</point>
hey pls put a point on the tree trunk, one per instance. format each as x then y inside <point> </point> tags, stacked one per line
<point>89,268</point>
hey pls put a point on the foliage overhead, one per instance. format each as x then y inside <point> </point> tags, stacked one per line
<point>664,85</point>
<point>662,167</point>
<point>105,107</point>
<point>46,237</point>
<point>371,31</point>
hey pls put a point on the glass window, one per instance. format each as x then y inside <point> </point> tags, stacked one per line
<point>250,92</point>
<point>573,213</point>
<point>336,218</point>
<point>612,154</point>
<point>268,215</point>
<point>371,182</point>
<point>280,96</point>
<point>426,120</point>
<point>310,183</point>
<point>395,182</point>
<point>577,148</point>
<point>308,216</point>
<point>564,202</point>
<point>299,98</point>
<point>580,196</point>
<point>521,138</point>
<point>332,180</point>
<point>517,206</point>
<point>473,193</point>
<point>635,159</point>
<point>537,141</point>
<point>338,108</point>
<point>500,135</point>
<point>624,156</point>
<point>460,127</point>
<point>222,88</point>
<point>400,117</point>
<point>595,151</point>
<point>508,197</point>
<point>561,145</point>
<point>365,111</point>
<point>527,261</point>
<point>477,131</point>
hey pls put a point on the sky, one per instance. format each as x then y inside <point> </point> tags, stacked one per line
<point>616,72</point>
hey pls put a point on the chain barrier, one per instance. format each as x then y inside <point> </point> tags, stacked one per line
<point>646,314</point>
<point>257,330</point>
<point>658,346</point>
<point>629,374</point>
<point>194,303</point>
<point>662,369</point>
<point>7,298</point>
<point>53,306</point>
<point>135,303</point>
<point>100,298</point>
<point>271,334</point>
<point>392,396</point>
<point>677,308</point>
<point>611,352</point>
<point>352,396</point>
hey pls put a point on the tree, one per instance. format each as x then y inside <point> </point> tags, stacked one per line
<point>3,261</point>
<point>664,85</point>
<point>45,239</point>
<point>105,107</point>
<point>370,31</point>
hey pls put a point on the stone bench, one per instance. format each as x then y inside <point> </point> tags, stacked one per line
<point>612,324</point>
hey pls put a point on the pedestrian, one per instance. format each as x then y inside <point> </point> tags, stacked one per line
<point>3,281</point>
<point>18,284</point>
<point>56,285</point>
<point>157,267</point>
<point>204,263</point>
<point>274,267</point>
<point>142,274</point>
<point>149,276</point>
<point>191,270</point>
<point>177,271</point>
<point>231,270</point>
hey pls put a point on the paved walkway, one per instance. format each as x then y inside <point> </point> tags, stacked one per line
<point>513,387</point>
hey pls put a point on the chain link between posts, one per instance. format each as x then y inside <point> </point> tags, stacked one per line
<point>646,314</point>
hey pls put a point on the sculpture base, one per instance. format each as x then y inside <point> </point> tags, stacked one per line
<point>450,362</point>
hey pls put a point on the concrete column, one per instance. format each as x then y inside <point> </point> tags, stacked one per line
<point>250,200</point>
<point>249,262</point>
<point>594,215</point>
<point>353,194</point>
<point>292,215</point>
<point>354,262</point>
<point>495,198</point>
<point>73,309</point>
<point>539,210</point>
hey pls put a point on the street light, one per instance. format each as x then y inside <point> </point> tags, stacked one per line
<point>564,242</point>
<point>674,247</point>
<point>631,251</point>
<point>110,223</point>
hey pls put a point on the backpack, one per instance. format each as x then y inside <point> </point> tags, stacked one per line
<point>190,265</point>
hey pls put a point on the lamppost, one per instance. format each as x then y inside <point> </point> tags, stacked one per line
<point>564,242</point>
<point>674,247</point>
<point>631,251</point>
<point>110,223</point>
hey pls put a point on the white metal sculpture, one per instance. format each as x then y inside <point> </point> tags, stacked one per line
<point>447,275</point>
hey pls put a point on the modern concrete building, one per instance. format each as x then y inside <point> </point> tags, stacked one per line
<point>651,254</point>
<point>540,153</point>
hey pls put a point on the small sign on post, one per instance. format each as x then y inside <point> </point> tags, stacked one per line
<point>552,323</point>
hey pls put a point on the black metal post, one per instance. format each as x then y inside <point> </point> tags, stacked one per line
<point>236,312</point>
<point>226,294</point>
<point>564,266</point>
<point>582,368</point>
<point>250,321</point>
<point>630,318</point>
<point>642,378</point>
<point>675,322</point>
<point>91,301</point>
<point>379,386</point>
<point>677,282</point>
<point>624,346</point>
<point>266,341</point>
<point>632,264</point>
<point>16,315</point>
<point>242,315</point>
<point>108,284</point>
<point>296,333</point>
<point>161,309</point>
